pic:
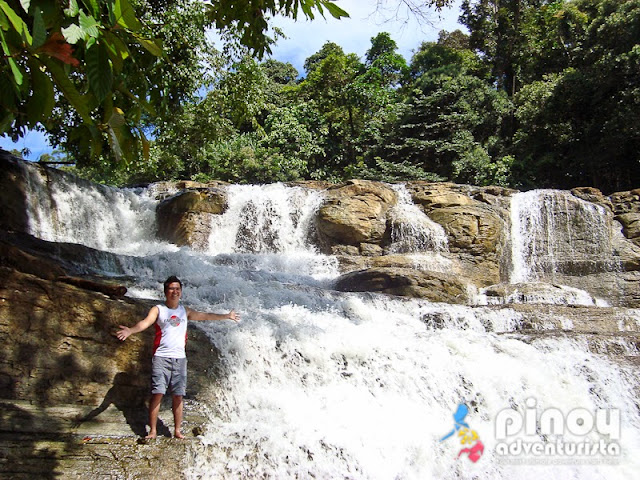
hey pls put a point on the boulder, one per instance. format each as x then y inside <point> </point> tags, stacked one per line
<point>439,195</point>
<point>354,214</point>
<point>60,348</point>
<point>408,282</point>
<point>473,228</point>
<point>184,219</point>
<point>626,202</point>
<point>630,226</point>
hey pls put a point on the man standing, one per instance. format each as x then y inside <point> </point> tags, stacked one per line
<point>169,364</point>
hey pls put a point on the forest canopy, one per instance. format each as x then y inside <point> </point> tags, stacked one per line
<point>536,94</point>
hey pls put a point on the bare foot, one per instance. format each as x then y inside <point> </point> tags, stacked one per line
<point>151,435</point>
<point>178,434</point>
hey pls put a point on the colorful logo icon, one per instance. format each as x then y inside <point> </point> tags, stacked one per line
<point>466,435</point>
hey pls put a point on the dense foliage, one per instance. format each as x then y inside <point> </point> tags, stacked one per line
<point>539,93</point>
<point>93,73</point>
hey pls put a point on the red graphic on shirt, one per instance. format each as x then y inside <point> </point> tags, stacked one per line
<point>174,321</point>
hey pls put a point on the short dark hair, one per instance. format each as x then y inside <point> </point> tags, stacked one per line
<point>170,280</point>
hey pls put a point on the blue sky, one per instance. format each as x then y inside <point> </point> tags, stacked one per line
<point>354,34</point>
<point>304,38</point>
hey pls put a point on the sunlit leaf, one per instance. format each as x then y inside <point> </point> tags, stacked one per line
<point>125,16</point>
<point>152,46</point>
<point>118,50</point>
<point>72,9</point>
<point>89,25</point>
<point>17,22</point>
<point>73,33</point>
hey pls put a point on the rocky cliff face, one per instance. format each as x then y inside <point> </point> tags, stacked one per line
<point>73,397</point>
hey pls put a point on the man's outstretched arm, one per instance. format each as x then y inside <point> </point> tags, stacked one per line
<point>149,320</point>
<point>199,316</point>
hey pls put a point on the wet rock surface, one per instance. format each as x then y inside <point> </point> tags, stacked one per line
<point>73,397</point>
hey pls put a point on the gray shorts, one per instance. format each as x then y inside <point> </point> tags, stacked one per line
<point>169,374</point>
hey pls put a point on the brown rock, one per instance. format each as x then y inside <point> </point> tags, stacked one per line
<point>111,289</point>
<point>355,213</point>
<point>184,219</point>
<point>476,229</point>
<point>439,195</point>
<point>630,226</point>
<point>626,202</point>
<point>408,282</point>
<point>72,396</point>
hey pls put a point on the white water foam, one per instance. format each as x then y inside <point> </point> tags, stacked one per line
<point>411,230</point>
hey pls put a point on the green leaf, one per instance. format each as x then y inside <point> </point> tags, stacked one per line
<point>6,121</point>
<point>78,101</point>
<point>39,28</point>
<point>72,9</point>
<point>42,101</point>
<point>89,24</point>
<point>17,22</point>
<point>92,6</point>
<point>73,34</point>
<point>334,10</point>
<point>146,145</point>
<point>114,136</point>
<point>118,50</point>
<point>17,73</point>
<point>99,71</point>
<point>4,21</point>
<point>152,46</point>
<point>125,16</point>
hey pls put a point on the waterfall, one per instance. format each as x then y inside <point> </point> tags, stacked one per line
<point>62,208</point>
<point>414,234</point>
<point>265,219</point>
<point>316,383</point>
<point>554,232</point>
<point>411,230</point>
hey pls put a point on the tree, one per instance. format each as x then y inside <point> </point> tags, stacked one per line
<point>452,120</point>
<point>93,54</point>
<point>582,125</point>
<point>382,60</point>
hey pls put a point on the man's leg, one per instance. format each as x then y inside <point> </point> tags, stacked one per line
<point>177,415</point>
<point>154,410</point>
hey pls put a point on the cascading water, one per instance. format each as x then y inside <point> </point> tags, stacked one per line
<point>320,384</point>
<point>554,232</point>
<point>414,234</point>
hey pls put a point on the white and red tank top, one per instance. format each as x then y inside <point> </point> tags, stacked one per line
<point>171,332</point>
